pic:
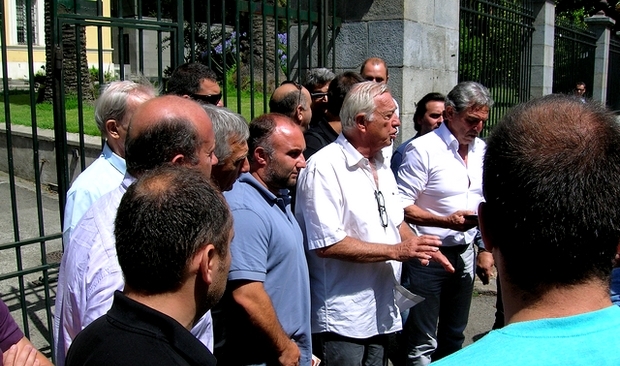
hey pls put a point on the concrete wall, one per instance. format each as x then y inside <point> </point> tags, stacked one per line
<point>418,39</point>
<point>22,149</point>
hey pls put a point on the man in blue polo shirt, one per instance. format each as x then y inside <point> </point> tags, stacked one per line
<point>267,305</point>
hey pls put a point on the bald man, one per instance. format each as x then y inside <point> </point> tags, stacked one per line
<point>293,100</point>
<point>168,129</point>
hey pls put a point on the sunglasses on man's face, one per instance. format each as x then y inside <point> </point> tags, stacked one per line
<point>209,99</point>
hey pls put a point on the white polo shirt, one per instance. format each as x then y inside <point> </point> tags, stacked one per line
<point>434,177</point>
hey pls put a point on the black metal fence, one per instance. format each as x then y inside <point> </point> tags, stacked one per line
<point>573,57</point>
<point>613,76</point>
<point>495,49</point>
<point>84,44</point>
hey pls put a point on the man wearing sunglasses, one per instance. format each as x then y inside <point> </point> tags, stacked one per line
<point>317,83</point>
<point>195,81</point>
<point>293,100</point>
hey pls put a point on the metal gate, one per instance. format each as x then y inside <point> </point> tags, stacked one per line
<point>613,75</point>
<point>65,50</point>
<point>495,49</point>
<point>573,57</point>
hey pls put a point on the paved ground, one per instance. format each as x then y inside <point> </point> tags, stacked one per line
<point>30,225</point>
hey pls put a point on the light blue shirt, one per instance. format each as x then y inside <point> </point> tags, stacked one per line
<point>101,177</point>
<point>268,248</point>
<point>90,273</point>
<point>587,339</point>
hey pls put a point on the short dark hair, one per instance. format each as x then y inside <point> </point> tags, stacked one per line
<point>186,79</point>
<point>338,89</point>
<point>420,109</point>
<point>551,178</point>
<point>159,143</point>
<point>163,219</point>
<point>261,129</point>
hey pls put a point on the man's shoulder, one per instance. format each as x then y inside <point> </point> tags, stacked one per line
<point>99,176</point>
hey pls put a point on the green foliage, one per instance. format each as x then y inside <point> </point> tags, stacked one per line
<point>107,75</point>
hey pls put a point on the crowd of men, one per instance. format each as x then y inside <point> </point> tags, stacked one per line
<point>197,238</point>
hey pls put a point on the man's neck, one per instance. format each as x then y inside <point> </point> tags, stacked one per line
<point>176,305</point>
<point>556,303</point>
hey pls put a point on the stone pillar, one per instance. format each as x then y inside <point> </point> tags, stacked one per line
<point>601,25</point>
<point>541,82</point>
<point>419,40</point>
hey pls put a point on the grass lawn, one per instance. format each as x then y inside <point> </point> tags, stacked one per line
<point>21,114</point>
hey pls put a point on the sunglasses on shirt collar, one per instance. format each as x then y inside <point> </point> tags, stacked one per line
<point>209,99</point>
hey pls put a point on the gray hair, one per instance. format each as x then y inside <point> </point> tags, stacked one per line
<point>114,101</point>
<point>360,100</point>
<point>227,125</point>
<point>468,94</point>
<point>318,77</point>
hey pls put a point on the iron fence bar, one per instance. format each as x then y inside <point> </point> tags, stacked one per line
<point>251,59</point>
<point>37,176</point>
<point>10,158</point>
<point>209,45</point>
<point>300,48</point>
<point>264,53</point>
<point>192,32</point>
<point>140,39</point>
<point>21,274</point>
<point>276,42</point>
<point>333,40</point>
<point>180,42</point>
<point>100,75</point>
<point>237,57</point>
<point>21,243</point>
<point>145,24</point>
<point>224,50</point>
<point>288,42</point>
<point>78,53</point>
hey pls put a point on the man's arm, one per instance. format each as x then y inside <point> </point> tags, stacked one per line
<point>253,298</point>
<point>424,248</point>
<point>456,221</point>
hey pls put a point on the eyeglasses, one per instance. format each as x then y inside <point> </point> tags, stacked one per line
<point>298,86</point>
<point>382,211</point>
<point>209,99</point>
<point>318,96</point>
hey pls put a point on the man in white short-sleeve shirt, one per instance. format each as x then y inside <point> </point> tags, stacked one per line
<point>440,185</point>
<point>348,205</point>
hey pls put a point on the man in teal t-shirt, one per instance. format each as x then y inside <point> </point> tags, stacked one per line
<point>553,228</point>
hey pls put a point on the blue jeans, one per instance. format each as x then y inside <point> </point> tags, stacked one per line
<point>435,326</point>
<point>337,350</point>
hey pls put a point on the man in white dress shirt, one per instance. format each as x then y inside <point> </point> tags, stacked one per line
<point>440,185</point>
<point>168,129</point>
<point>113,110</point>
<point>348,205</point>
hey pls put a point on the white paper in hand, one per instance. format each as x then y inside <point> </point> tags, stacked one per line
<point>405,299</point>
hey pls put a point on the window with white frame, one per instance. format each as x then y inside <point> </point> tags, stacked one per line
<point>21,15</point>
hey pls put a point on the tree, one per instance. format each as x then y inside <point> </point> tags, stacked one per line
<point>69,56</point>
<point>578,10</point>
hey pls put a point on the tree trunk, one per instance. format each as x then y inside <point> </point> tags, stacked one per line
<point>70,59</point>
